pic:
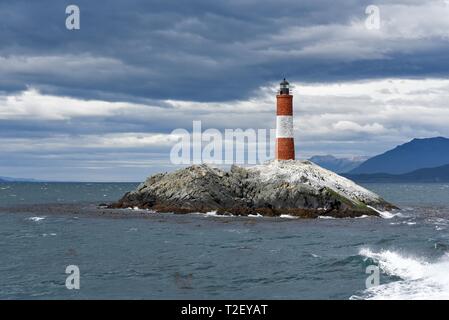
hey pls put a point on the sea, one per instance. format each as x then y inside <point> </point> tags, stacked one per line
<point>402,255</point>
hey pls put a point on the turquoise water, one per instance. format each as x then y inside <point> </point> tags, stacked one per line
<point>203,256</point>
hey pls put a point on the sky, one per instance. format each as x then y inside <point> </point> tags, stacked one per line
<point>100,103</point>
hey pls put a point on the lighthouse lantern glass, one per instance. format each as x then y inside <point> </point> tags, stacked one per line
<point>285,87</point>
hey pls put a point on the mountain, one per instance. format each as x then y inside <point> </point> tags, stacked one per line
<point>8,179</point>
<point>337,165</point>
<point>416,154</point>
<point>438,174</point>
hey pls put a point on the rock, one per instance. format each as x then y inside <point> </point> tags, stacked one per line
<point>298,188</point>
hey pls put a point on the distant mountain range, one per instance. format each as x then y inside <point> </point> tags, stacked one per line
<point>438,174</point>
<point>338,165</point>
<point>420,160</point>
<point>408,157</point>
<point>8,179</point>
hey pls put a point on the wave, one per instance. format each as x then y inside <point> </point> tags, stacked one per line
<point>137,209</point>
<point>388,214</point>
<point>257,215</point>
<point>326,217</point>
<point>287,216</point>
<point>36,219</point>
<point>215,214</point>
<point>419,278</point>
<point>409,223</point>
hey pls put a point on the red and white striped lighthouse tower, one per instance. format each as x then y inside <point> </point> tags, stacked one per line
<point>285,145</point>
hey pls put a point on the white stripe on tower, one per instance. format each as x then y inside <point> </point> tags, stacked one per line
<point>285,143</point>
<point>284,127</point>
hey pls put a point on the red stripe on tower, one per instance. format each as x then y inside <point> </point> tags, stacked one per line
<point>285,145</point>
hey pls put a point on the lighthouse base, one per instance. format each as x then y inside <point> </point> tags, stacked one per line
<point>285,149</point>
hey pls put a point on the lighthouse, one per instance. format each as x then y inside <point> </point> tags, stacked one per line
<point>285,145</point>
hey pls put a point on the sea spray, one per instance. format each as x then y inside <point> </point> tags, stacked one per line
<point>419,278</point>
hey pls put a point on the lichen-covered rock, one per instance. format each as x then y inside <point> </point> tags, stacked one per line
<point>298,188</point>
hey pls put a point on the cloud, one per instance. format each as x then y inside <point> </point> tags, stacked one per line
<point>353,118</point>
<point>32,105</point>
<point>214,52</point>
<point>107,97</point>
<point>343,125</point>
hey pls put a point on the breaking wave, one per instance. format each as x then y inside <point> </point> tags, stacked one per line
<point>418,278</point>
<point>387,214</point>
<point>36,219</point>
<point>287,216</point>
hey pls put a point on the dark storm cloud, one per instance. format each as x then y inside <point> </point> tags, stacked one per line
<point>190,50</point>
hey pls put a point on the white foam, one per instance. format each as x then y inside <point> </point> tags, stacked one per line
<point>409,223</point>
<point>420,279</point>
<point>239,231</point>
<point>137,209</point>
<point>36,219</point>
<point>385,214</point>
<point>287,216</point>
<point>215,214</point>
<point>326,217</point>
<point>258,215</point>
<point>438,221</point>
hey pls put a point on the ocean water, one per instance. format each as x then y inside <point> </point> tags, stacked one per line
<point>195,256</point>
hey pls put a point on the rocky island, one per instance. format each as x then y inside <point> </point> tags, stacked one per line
<point>288,187</point>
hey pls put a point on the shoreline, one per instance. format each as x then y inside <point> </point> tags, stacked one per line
<point>95,210</point>
<point>299,213</point>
